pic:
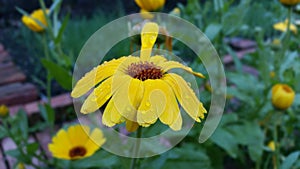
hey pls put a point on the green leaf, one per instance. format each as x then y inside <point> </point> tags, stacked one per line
<point>212,30</point>
<point>238,64</point>
<point>23,123</point>
<point>61,75</point>
<point>99,159</point>
<point>188,155</point>
<point>47,113</point>
<point>32,148</point>
<point>224,139</point>
<point>62,29</point>
<point>290,160</point>
<point>3,132</point>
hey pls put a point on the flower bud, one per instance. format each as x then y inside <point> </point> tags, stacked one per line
<point>282,96</point>
<point>289,2</point>
<point>3,111</point>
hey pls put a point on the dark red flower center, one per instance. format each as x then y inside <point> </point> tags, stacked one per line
<point>77,152</point>
<point>144,71</point>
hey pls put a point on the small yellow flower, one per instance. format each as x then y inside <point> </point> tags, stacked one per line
<point>76,143</point>
<point>276,42</point>
<point>282,26</point>
<point>20,166</point>
<point>271,145</point>
<point>290,2</point>
<point>36,21</point>
<point>175,11</point>
<point>282,96</point>
<point>272,74</point>
<point>140,90</point>
<point>3,111</point>
<point>150,5</point>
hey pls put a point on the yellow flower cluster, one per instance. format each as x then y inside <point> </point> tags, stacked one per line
<point>283,26</point>
<point>36,21</point>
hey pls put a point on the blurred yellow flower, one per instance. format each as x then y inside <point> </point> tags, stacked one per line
<point>36,21</point>
<point>140,89</point>
<point>3,110</point>
<point>276,42</point>
<point>282,26</point>
<point>150,5</point>
<point>145,14</point>
<point>272,74</point>
<point>290,2</point>
<point>175,11</point>
<point>282,96</point>
<point>271,145</point>
<point>76,143</point>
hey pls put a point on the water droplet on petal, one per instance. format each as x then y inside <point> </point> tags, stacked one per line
<point>128,109</point>
<point>148,104</point>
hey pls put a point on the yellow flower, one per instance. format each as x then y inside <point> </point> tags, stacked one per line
<point>150,5</point>
<point>140,90</point>
<point>290,2</point>
<point>145,14</point>
<point>3,110</point>
<point>282,26</point>
<point>272,74</point>
<point>175,11</point>
<point>271,145</point>
<point>36,21</point>
<point>76,143</point>
<point>282,96</point>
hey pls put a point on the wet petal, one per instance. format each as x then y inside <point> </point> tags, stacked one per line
<point>128,98</point>
<point>95,76</point>
<point>166,66</point>
<point>111,116</point>
<point>186,96</point>
<point>154,102</point>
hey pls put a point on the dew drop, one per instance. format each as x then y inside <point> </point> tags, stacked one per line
<point>128,109</point>
<point>148,104</point>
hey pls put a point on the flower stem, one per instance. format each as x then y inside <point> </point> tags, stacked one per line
<point>49,78</point>
<point>134,161</point>
<point>277,153</point>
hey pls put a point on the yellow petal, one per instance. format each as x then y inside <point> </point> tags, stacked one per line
<point>111,116</point>
<point>176,125</point>
<point>131,126</point>
<point>171,112</point>
<point>186,96</point>
<point>95,76</point>
<point>140,4</point>
<point>154,102</point>
<point>157,59</point>
<point>166,66</point>
<point>128,97</point>
<point>148,37</point>
<point>98,97</point>
<point>95,141</point>
<point>78,135</point>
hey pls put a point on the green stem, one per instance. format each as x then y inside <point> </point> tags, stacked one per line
<point>134,161</point>
<point>19,148</point>
<point>277,152</point>
<point>49,78</point>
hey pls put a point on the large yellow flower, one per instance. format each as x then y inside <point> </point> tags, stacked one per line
<point>290,2</point>
<point>150,5</point>
<point>282,26</point>
<point>75,143</point>
<point>36,21</point>
<point>140,90</point>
